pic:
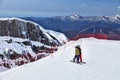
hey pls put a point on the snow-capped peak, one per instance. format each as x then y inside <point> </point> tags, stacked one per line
<point>117,17</point>
<point>74,16</point>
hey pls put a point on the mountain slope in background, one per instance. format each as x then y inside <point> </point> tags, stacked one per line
<point>24,41</point>
<point>16,27</point>
<point>74,24</point>
<point>101,56</point>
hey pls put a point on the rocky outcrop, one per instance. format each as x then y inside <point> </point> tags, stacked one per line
<point>24,41</point>
<point>15,27</point>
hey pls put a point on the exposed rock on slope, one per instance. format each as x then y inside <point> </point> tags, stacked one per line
<point>24,41</point>
<point>15,27</point>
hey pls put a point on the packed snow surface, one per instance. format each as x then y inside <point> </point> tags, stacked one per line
<point>102,59</point>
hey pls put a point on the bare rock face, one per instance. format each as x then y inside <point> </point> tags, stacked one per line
<point>15,27</point>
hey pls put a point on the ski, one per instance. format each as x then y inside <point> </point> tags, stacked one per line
<point>78,63</point>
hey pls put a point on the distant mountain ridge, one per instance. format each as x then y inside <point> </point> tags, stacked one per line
<point>74,24</point>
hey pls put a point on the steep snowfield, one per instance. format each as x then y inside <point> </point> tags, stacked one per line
<point>102,59</point>
<point>59,36</point>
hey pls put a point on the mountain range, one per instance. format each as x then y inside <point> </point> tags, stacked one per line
<point>75,25</point>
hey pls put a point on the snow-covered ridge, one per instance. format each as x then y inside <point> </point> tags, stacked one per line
<point>77,17</point>
<point>59,36</point>
<point>117,17</point>
<point>74,17</point>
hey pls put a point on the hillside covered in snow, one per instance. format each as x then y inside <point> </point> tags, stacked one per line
<point>101,56</point>
<point>24,41</point>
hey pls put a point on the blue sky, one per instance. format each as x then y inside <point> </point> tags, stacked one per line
<point>45,8</point>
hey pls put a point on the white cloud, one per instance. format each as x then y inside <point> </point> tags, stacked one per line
<point>84,4</point>
<point>118,7</point>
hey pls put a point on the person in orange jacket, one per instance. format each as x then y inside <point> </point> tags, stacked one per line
<point>78,54</point>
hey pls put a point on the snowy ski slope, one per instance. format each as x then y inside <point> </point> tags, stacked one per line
<point>102,59</point>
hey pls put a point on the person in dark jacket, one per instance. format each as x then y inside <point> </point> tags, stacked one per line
<point>77,54</point>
